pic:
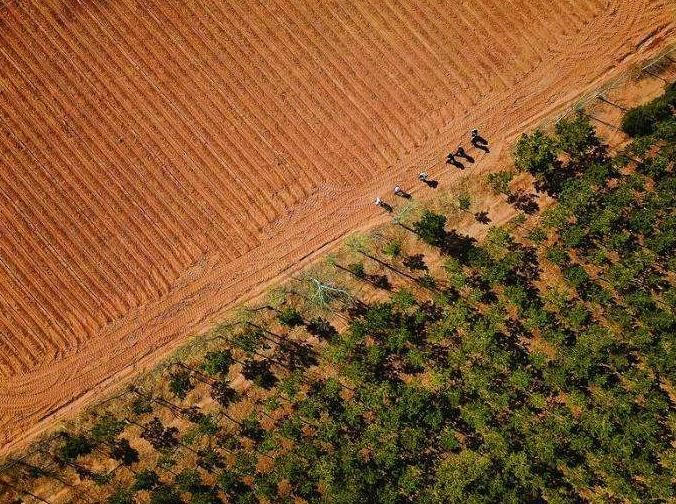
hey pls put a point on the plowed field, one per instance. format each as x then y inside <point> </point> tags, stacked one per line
<point>162,159</point>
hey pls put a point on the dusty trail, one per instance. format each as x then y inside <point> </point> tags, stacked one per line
<point>163,160</point>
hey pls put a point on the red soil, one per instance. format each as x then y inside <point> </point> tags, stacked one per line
<point>163,160</point>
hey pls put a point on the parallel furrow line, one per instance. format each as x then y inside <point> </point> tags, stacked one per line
<point>110,109</point>
<point>217,141</point>
<point>184,110</point>
<point>79,293</point>
<point>237,227</point>
<point>333,96</point>
<point>75,180</point>
<point>103,181</point>
<point>347,67</point>
<point>98,186</point>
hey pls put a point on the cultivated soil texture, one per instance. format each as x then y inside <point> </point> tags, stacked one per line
<point>163,160</point>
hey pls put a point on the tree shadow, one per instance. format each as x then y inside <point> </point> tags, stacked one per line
<point>529,267</point>
<point>432,312</point>
<point>260,373</point>
<point>460,246</point>
<point>521,200</point>
<point>552,180</point>
<point>512,341</point>
<point>357,310</point>
<point>252,429</point>
<point>487,294</point>
<point>482,217</point>
<point>299,355</point>
<point>379,281</point>
<point>322,329</point>
<point>415,262</point>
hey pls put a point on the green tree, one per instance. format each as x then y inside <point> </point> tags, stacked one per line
<point>218,362</point>
<point>457,473</point>
<point>146,479</point>
<point>290,317</point>
<point>75,446</point>
<point>536,153</point>
<point>577,138</point>
<point>180,383</point>
<point>643,119</point>
<point>431,228</point>
<point>499,181</point>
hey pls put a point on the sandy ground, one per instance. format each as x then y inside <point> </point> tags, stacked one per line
<point>163,160</point>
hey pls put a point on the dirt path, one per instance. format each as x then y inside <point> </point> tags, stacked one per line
<point>162,161</point>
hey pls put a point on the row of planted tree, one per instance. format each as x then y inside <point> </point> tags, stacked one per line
<point>421,366</point>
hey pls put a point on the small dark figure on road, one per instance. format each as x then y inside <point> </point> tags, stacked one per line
<point>450,159</point>
<point>479,141</point>
<point>398,191</point>
<point>380,203</point>
<point>425,179</point>
<point>461,152</point>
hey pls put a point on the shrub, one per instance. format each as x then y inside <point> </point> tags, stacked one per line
<point>217,363</point>
<point>165,495</point>
<point>180,383</point>
<point>558,255</point>
<point>428,281</point>
<point>107,428</point>
<point>464,201</point>
<point>74,447</point>
<point>121,496</point>
<point>643,120</point>
<point>392,248</point>
<point>538,235</point>
<point>499,181</point>
<point>146,480</point>
<point>189,480</point>
<point>357,269</point>
<point>290,317</point>
<point>431,228</point>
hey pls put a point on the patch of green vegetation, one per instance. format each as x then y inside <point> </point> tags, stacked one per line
<point>647,119</point>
